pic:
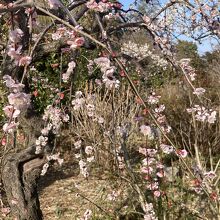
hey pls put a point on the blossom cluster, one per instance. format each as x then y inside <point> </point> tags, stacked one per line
<point>66,76</point>
<point>149,212</point>
<point>86,106</point>
<point>84,159</point>
<point>102,6</point>
<point>54,118</point>
<point>32,14</point>
<point>159,115</point>
<point>153,100</point>
<point>203,114</point>
<point>204,179</point>
<point>152,170</point>
<point>134,50</point>
<point>199,91</point>
<point>194,20</point>
<point>147,131</point>
<point>73,40</point>
<point>150,131</point>
<point>53,157</point>
<point>18,102</point>
<point>160,37</point>
<point>168,149</point>
<point>108,77</point>
<point>78,101</point>
<point>110,15</point>
<point>140,52</point>
<point>199,18</point>
<point>15,48</point>
<point>187,69</point>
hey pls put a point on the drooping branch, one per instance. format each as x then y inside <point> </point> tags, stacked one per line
<point>75,4</point>
<point>15,7</point>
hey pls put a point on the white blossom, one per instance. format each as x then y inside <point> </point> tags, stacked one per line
<point>77,144</point>
<point>147,131</point>
<point>167,149</point>
<point>89,150</point>
<point>199,91</point>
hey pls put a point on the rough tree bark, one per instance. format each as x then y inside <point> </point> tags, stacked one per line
<point>20,173</point>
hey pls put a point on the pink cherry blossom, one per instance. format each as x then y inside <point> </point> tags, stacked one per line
<point>10,127</point>
<point>78,103</point>
<point>157,193</point>
<point>183,153</point>
<point>89,150</point>
<point>66,76</point>
<point>5,211</point>
<point>20,101</point>
<point>212,117</point>
<point>211,175</point>
<point>147,170</point>
<point>142,151</point>
<point>167,149</point>
<point>79,41</point>
<point>3,141</point>
<point>75,43</point>
<point>78,144</point>
<point>147,131</point>
<point>8,81</point>
<point>160,174</point>
<point>26,60</point>
<point>16,35</point>
<point>90,159</point>
<point>102,62</point>
<point>15,54</point>
<point>153,186</point>
<point>11,112</point>
<point>54,4</point>
<point>45,168</point>
<point>100,6</point>
<point>199,91</point>
<point>153,99</point>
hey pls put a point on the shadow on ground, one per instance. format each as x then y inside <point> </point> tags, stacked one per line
<point>56,173</point>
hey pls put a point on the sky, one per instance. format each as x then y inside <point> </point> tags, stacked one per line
<point>207,45</point>
<point>126,3</point>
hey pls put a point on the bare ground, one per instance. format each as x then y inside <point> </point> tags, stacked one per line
<point>66,195</point>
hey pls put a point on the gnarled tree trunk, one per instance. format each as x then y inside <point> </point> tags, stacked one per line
<point>20,173</point>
